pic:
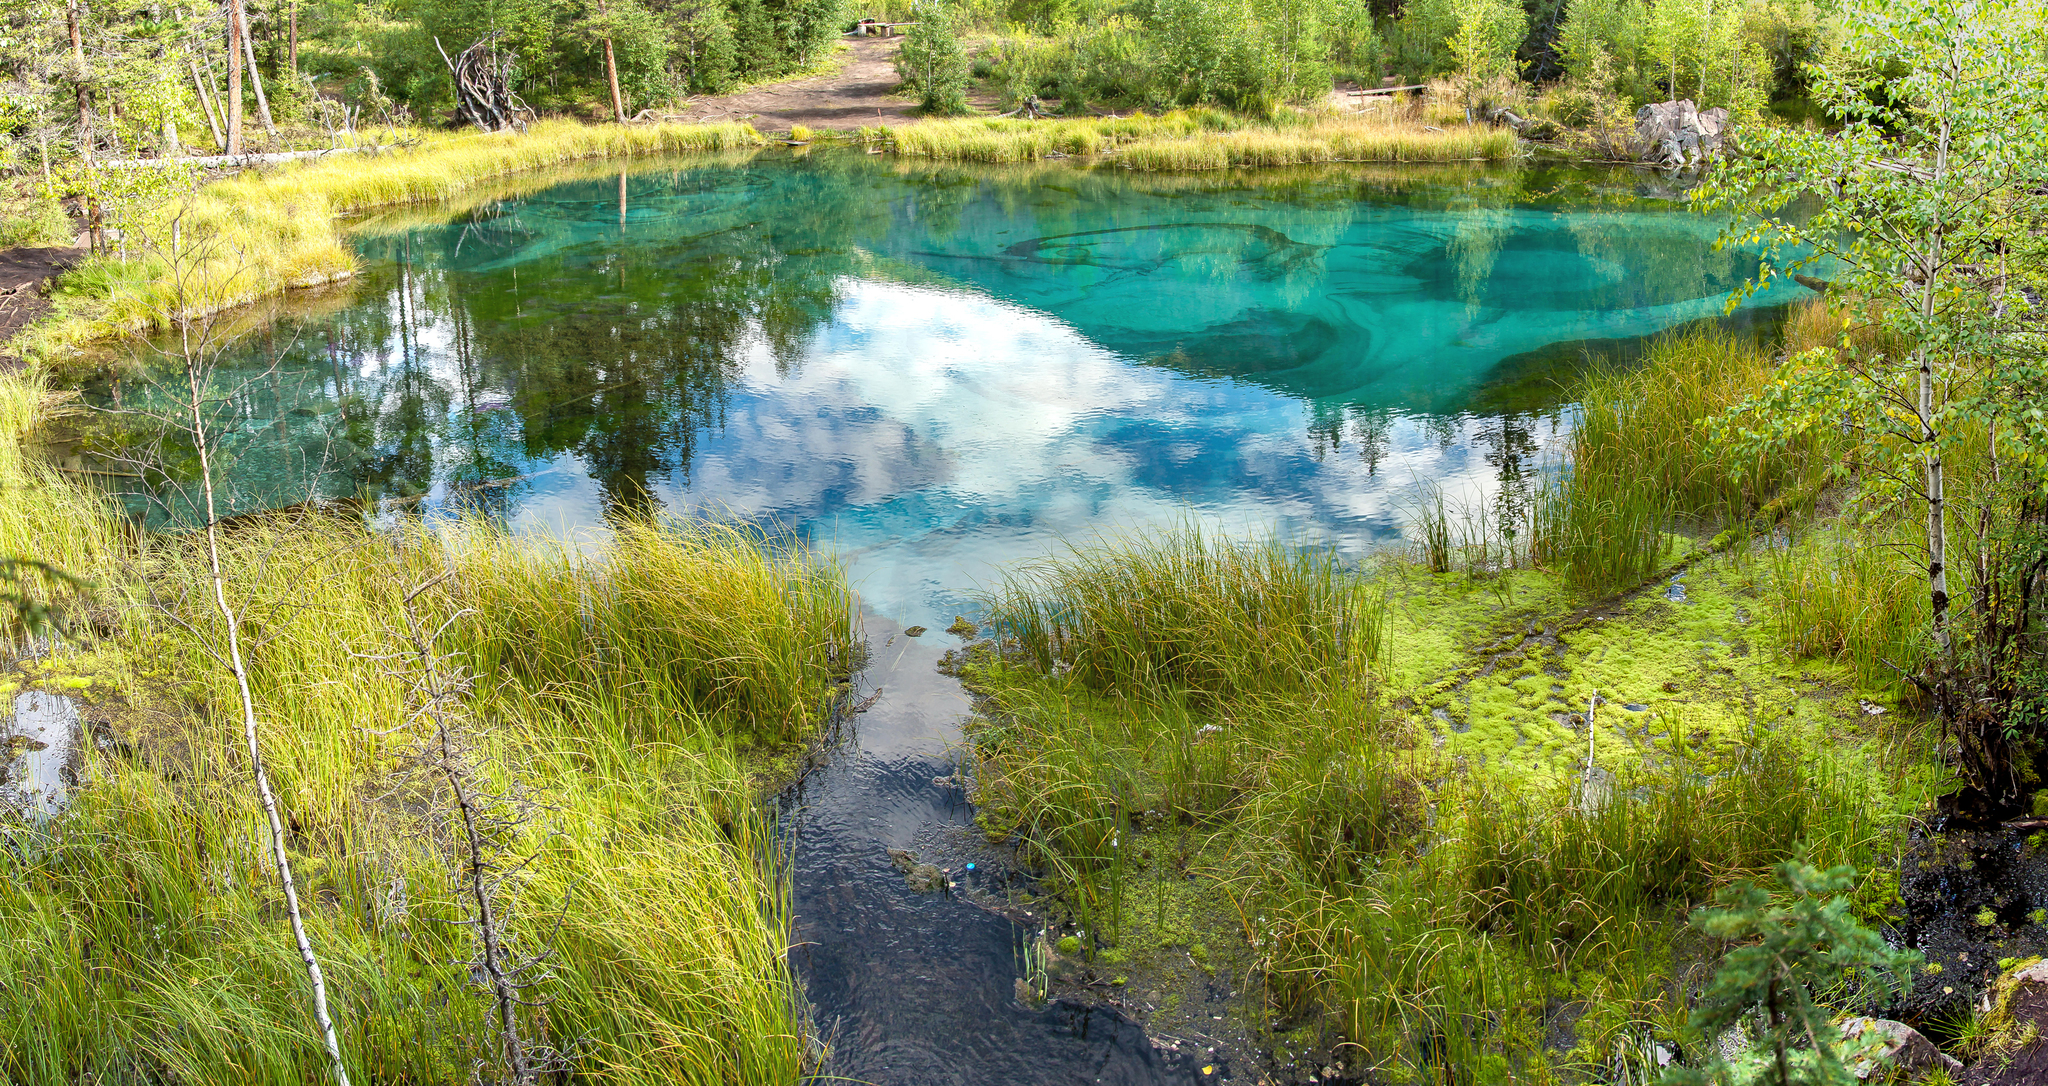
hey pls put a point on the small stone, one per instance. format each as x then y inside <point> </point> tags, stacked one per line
<point>914,631</point>
<point>926,879</point>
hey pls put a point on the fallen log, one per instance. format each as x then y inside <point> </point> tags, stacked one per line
<point>211,162</point>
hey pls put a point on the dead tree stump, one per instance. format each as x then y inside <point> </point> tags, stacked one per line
<point>483,85</point>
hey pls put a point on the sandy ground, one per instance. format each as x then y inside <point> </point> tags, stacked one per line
<point>855,94</point>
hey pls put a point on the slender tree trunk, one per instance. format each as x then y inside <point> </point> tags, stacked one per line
<point>611,72</point>
<point>256,82</point>
<point>234,102</point>
<point>292,43</point>
<point>504,991</point>
<point>1936,480</point>
<point>73,17</point>
<point>241,672</point>
<point>206,107</point>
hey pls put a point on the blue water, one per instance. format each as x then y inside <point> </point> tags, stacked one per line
<point>939,372</point>
<point>936,373</point>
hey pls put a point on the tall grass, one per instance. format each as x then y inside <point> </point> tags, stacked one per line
<point>1644,460</point>
<point>261,232</point>
<point>706,621</point>
<point>140,937</point>
<point>47,517</point>
<point>1854,600</point>
<point>1196,140</point>
<point>1220,619</point>
<point>1443,963</point>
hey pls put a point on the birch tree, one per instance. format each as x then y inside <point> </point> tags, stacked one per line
<point>1924,214</point>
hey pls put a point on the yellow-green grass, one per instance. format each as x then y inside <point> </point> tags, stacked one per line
<point>1431,858</point>
<point>1197,140</point>
<point>141,932</point>
<point>1643,457</point>
<point>1182,609</point>
<point>262,232</point>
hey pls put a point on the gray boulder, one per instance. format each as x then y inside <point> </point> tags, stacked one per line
<point>1675,134</point>
<point>1894,1046</point>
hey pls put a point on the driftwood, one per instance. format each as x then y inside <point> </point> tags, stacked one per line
<point>483,85</point>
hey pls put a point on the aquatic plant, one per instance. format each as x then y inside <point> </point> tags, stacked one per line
<point>1642,460</point>
<point>1217,618</point>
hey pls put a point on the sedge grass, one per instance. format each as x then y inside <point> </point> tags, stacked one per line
<point>1841,598</point>
<point>1218,618</point>
<point>140,935</point>
<point>1196,140</point>
<point>1643,460</point>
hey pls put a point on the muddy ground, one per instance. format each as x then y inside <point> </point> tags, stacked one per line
<point>23,275</point>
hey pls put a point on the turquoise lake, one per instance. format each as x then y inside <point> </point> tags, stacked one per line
<point>936,372</point>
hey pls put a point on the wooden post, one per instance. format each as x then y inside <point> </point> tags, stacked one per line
<point>234,103</point>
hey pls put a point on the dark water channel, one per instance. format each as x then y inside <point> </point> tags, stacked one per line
<point>920,987</point>
<point>935,373</point>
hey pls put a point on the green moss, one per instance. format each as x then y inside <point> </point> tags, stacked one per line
<point>1069,945</point>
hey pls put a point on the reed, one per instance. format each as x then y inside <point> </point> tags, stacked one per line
<point>1855,601</point>
<point>712,622</point>
<point>1556,869</point>
<point>1197,140</point>
<point>139,930</point>
<point>1644,461</point>
<point>1217,618</point>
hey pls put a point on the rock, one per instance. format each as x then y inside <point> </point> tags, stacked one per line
<point>926,879</point>
<point>914,631</point>
<point>1674,134</point>
<point>1895,1045</point>
<point>2015,1051</point>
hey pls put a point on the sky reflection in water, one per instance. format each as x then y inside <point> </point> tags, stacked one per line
<point>938,372</point>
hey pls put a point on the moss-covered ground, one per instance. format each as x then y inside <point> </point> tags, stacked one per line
<point>1202,917</point>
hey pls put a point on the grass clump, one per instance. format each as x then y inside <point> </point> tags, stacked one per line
<point>1841,598</point>
<point>1644,461</point>
<point>1218,618</point>
<point>140,933</point>
<point>708,622</point>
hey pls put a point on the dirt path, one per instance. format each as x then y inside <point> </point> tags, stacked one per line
<point>22,272</point>
<point>855,94</point>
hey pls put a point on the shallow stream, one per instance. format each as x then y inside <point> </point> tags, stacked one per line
<point>936,373</point>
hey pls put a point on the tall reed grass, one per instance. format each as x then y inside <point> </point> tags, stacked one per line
<point>1217,618</point>
<point>1198,139</point>
<point>1854,600</point>
<point>1643,460</point>
<point>140,935</point>
<point>1447,961</point>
